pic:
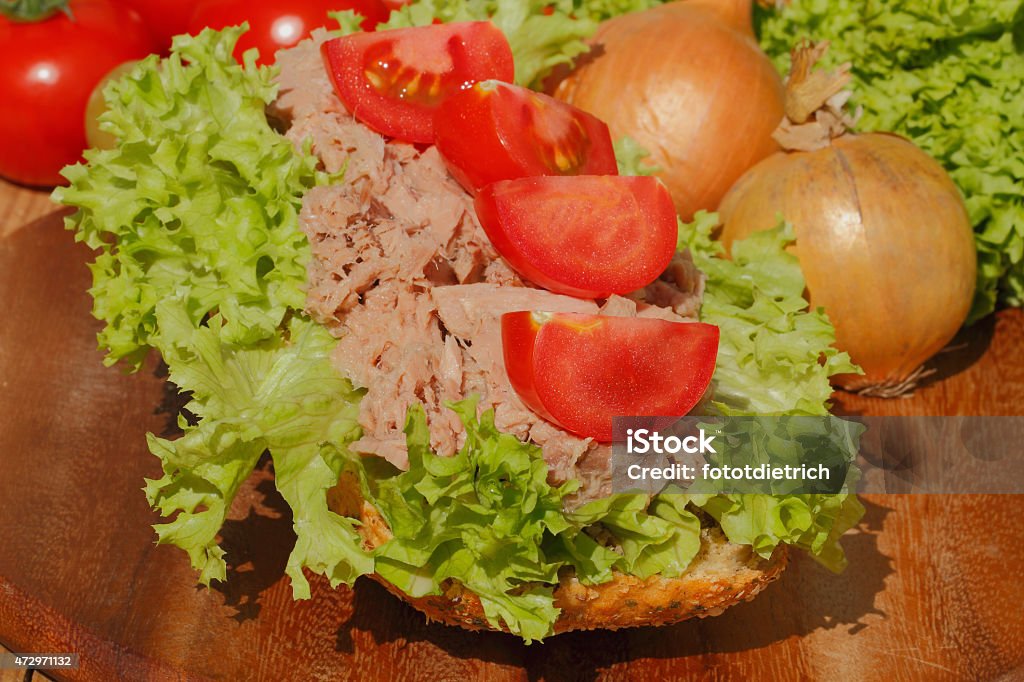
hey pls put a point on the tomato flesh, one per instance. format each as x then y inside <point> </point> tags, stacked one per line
<point>276,24</point>
<point>497,131</point>
<point>394,81</point>
<point>580,371</point>
<point>587,236</point>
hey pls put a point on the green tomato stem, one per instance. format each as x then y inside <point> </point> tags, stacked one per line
<point>30,11</point>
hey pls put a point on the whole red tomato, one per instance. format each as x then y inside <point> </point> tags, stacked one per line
<point>277,24</point>
<point>48,68</point>
<point>164,18</point>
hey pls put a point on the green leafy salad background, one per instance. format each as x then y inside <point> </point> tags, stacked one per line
<point>199,256</point>
<point>948,75</point>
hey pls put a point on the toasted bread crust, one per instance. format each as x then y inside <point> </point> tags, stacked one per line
<point>722,574</point>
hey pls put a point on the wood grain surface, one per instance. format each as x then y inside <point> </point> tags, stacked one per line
<point>18,207</point>
<point>932,592</point>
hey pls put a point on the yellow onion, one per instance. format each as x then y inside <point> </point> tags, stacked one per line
<point>688,82</point>
<point>882,233</point>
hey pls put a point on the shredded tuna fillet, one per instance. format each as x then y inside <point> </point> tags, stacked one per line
<point>404,276</point>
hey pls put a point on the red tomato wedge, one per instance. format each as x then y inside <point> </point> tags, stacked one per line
<point>579,371</point>
<point>496,131</point>
<point>393,81</point>
<point>587,236</point>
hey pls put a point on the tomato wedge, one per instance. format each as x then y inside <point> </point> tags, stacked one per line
<point>587,236</point>
<point>496,131</point>
<point>393,81</point>
<point>579,371</point>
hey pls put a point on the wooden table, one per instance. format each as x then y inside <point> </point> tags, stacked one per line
<point>18,207</point>
<point>933,591</point>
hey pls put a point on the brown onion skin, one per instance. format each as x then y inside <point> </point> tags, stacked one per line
<point>884,242</point>
<point>688,82</point>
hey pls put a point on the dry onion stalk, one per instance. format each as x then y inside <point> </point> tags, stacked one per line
<point>882,233</point>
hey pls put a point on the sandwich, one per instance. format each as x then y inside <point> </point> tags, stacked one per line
<point>325,290</point>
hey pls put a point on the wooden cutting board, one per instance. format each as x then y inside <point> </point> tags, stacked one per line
<point>933,590</point>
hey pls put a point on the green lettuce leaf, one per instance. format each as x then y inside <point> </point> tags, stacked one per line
<point>656,536</point>
<point>632,158</point>
<point>195,219</point>
<point>775,356</point>
<point>480,517</point>
<point>280,394</point>
<point>488,518</point>
<point>948,75</point>
<point>539,41</point>
<point>349,22</point>
<point>199,201</point>
<point>810,522</point>
<point>543,34</point>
